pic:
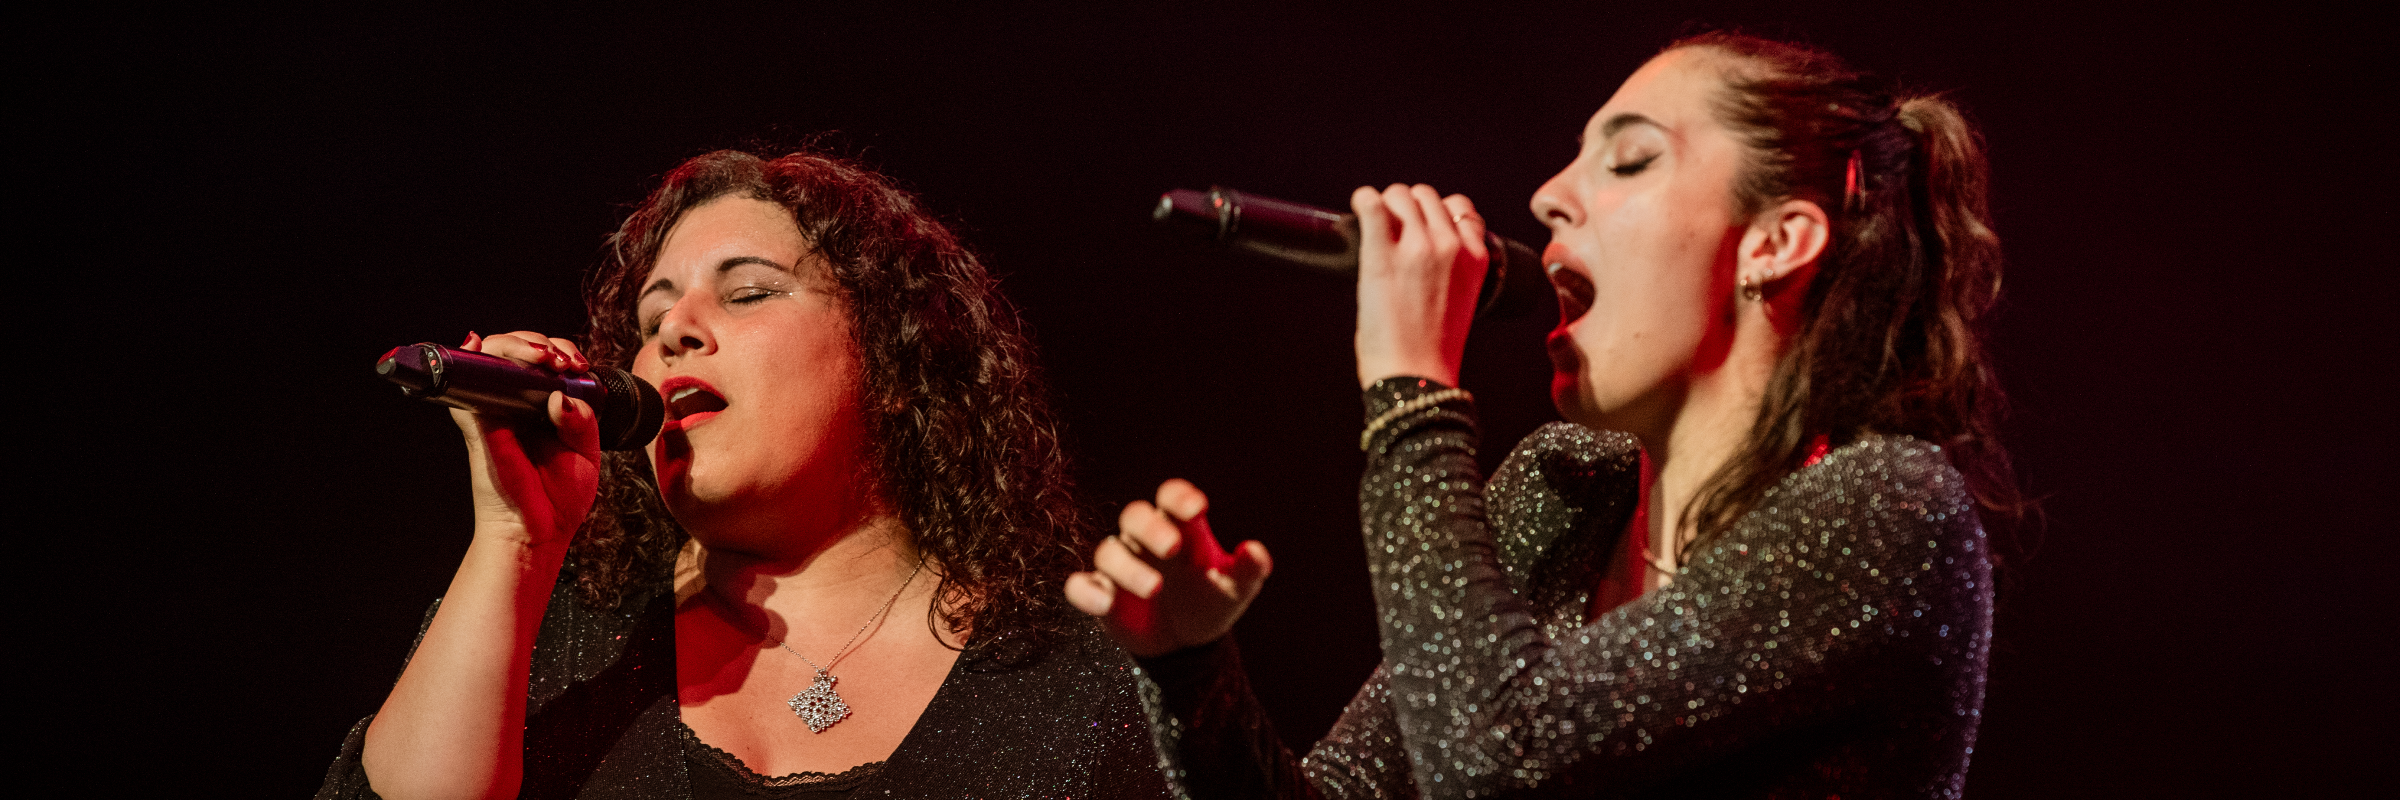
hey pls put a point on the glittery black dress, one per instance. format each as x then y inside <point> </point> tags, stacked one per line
<point>1832,643</point>
<point>602,721</point>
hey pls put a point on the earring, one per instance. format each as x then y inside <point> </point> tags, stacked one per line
<point>1751,291</point>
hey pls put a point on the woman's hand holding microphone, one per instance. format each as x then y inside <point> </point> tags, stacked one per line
<point>454,725</point>
<point>532,486</point>
<point>1421,259</point>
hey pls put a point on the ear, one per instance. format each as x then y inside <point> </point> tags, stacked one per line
<point>1781,248</point>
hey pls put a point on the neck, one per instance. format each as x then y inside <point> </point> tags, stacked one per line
<point>1676,467</point>
<point>1716,415</point>
<point>815,597</point>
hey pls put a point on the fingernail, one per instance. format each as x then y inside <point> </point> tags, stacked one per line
<point>472,338</point>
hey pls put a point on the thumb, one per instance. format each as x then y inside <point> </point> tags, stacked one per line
<point>1246,570</point>
<point>578,427</point>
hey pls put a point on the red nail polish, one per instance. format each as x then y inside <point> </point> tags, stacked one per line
<point>471,337</point>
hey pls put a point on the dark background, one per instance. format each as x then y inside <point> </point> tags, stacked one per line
<point>234,527</point>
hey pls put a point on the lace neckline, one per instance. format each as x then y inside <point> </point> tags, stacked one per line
<point>815,781</point>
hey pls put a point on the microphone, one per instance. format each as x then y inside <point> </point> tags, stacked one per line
<point>629,407</point>
<point>1308,236</point>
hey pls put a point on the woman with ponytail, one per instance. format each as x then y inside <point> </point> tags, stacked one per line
<point>1753,562</point>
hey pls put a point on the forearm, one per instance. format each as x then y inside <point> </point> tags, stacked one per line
<point>454,725</point>
<point>1443,607</point>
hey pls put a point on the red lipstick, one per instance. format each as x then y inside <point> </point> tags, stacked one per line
<point>690,401</point>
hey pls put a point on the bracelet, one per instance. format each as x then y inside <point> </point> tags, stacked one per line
<point>1410,407</point>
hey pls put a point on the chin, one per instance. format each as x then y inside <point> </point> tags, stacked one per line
<point>1568,396</point>
<point>698,510</point>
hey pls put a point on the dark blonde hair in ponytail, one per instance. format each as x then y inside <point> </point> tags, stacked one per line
<point>1891,332</point>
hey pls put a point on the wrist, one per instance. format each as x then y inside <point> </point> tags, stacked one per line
<point>520,544</point>
<point>1371,373</point>
<point>1386,392</point>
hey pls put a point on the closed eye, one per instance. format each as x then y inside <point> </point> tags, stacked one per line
<point>1632,169</point>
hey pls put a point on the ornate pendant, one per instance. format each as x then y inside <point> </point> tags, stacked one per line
<point>819,705</point>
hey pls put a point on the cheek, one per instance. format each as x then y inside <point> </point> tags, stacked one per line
<point>1652,301</point>
<point>646,366</point>
<point>815,374</point>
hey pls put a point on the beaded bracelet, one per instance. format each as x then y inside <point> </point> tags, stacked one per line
<point>1410,407</point>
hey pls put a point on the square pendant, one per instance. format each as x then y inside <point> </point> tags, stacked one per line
<point>819,705</point>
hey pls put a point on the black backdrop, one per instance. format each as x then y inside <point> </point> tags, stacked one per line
<point>234,527</point>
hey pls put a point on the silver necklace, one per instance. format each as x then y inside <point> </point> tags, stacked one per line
<point>819,705</point>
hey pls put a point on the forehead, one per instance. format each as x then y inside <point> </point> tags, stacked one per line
<point>1675,89</point>
<point>730,227</point>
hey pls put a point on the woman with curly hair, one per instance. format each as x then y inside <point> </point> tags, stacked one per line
<point>836,571</point>
<point>1754,563</point>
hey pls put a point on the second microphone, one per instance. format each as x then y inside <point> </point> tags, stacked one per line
<point>1319,238</point>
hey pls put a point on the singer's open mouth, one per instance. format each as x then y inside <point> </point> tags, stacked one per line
<point>1574,292</point>
<point>691,399</point>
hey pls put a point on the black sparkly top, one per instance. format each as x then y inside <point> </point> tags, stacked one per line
<point>1832,643</point>
<point>602,722</point>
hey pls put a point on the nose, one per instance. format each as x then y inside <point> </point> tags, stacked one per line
<point>1555,204</point>
<point>684,330</point>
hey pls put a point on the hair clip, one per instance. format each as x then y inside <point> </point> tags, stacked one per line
<point>1853,190</point>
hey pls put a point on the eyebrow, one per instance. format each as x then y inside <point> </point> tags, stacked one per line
<point>664,285</point>
<point>1621,122</point>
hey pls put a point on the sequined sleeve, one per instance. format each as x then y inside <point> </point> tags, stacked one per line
<point>1834,640</point>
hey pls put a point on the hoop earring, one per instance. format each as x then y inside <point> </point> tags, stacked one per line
<point>1751,291</point>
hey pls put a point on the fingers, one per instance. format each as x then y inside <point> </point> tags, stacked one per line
<point>573,353</point>
<point>1187,508</point>
<point>1441,232</point>
<point>1126,570</point>
<point>1155,539</point>
<point>1399,210</point>
<point>1181,500</point>
<point>1470,225</point>
<point>1374,223</point>
<point>1401,202</point>
<point>1091,593</point>
<point>533,348</point>
<point>1131,621</point>
<point>1146,532</point>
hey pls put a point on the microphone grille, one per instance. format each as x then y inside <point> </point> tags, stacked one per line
<point>631,414</point>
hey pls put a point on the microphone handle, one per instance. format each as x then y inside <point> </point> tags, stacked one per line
<point>630,410</point>
<point>1318,238</point>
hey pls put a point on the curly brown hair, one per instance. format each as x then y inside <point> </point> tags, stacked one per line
<point>1892,333</point>
<point>964,439</point>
